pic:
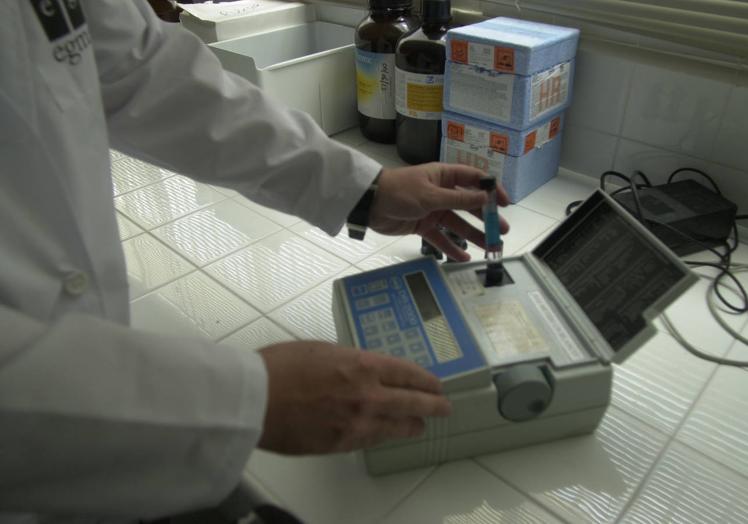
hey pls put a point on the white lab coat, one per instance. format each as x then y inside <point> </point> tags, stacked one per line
<point>97,418</point>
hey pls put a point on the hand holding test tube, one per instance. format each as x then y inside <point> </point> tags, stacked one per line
<point>494,244</point>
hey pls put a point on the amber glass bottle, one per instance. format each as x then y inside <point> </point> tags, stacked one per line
<point>419,76</point>
<point>376,41</point>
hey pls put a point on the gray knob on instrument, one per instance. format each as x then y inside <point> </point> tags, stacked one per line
<point>524,392</point>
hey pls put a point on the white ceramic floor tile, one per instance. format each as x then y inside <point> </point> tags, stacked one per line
<point>463,492</point>
<point>532,244</point>
<point>554,196</point>
<point>151,264</point>
<point>342,245</point>
<point>718,425</point>
<point>278,217</point>
<point>584,479</point>
<point>310,315</point>
<point>127,228</point>
<point>524,227</point>
<point>165,201</point>
<point>260,333</point>
<point>276,269</point>
<point>115,155</point>
<point>129,174</point>
<point>691,317</point>
<point>739,351</point>
<point>196,297</point>
<point>215,231</point>
<point>332,489</point>
<point>230,193</point>
<point>690,488</point>
<point>152,313</point>
<point>660,382</point>
<point>402,249</point>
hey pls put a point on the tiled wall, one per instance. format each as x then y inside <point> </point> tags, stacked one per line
<point>637,110</point>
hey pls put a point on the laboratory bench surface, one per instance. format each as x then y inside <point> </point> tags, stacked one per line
<point>673,446</point>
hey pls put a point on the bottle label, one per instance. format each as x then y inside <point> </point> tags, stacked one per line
<point>375,84</point>
<point>419,96</point>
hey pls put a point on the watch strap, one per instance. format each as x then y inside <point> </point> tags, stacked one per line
<point>358,218</point>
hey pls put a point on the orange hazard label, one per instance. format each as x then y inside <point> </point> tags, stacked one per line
<point>499,142</point>
<point>503,59</point>
<point>530,141</point>
<point>555,127</point>
<point>456,131</point>
<point>459,50</point>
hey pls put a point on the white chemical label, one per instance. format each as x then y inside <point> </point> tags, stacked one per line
<point>510,330</point>
<point>473,91</point>
<point>491,57</point>
<point>478,138</point>
<point>456,152</point>
<point>549,89</point>
<point>375,84</point>
<point>542,135</point>
<point>480,55</point>
<point>571,351</point>
<point>419,96</point>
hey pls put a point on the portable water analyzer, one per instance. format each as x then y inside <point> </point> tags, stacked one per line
<point>526,359</point>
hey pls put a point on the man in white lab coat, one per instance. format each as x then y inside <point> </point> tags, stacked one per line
<point>101,420</point>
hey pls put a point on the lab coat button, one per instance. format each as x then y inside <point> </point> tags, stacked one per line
<point>76,283</point>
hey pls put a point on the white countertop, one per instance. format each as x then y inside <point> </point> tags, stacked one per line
<point>673,445</point>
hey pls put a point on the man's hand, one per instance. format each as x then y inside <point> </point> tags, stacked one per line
<point>419,199</point>
<point>325,398</point>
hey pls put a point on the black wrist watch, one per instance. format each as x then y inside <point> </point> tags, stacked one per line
<point>358,218</point>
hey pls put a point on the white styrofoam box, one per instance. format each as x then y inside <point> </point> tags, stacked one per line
<point>223,21</point>
<point>510,100</point>
<point>508,45</point>
<point>309,67</point>
<point>521,161</point>
<point>510,72</point>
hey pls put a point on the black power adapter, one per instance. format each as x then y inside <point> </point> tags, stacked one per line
<point>685,215</point>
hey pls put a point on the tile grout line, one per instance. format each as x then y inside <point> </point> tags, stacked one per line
<point>411,492</point>
<point>518,490</point>
<point>261,317</point>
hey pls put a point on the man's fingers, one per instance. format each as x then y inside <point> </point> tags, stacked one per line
<point>454,175</point>
<point>467,199</point>
<point>443,243</point>
<point>375,430</point>
<point>401,373</point>
<point>398,402</point>
<point>458,225</point>
<point>503,224</point>
<point>468,176</point>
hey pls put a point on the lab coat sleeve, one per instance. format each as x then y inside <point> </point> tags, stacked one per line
<point>169,101</point>
<point>99,419</point>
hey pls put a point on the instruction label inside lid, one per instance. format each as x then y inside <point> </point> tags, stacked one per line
<point>614,271</point>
